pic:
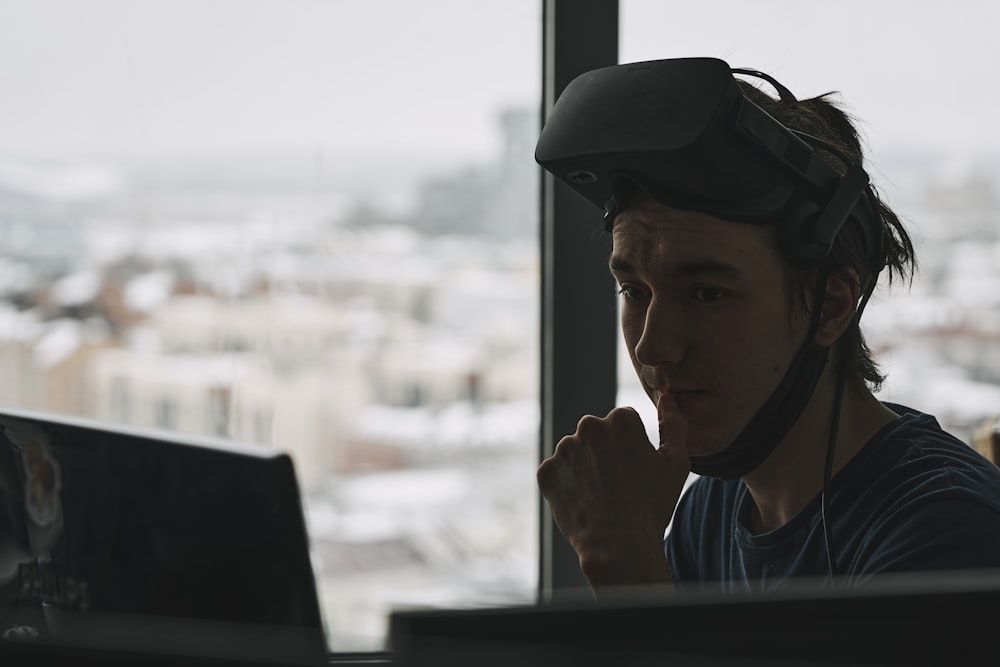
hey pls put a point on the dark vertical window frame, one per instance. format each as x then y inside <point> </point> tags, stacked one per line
<point>579,332</point>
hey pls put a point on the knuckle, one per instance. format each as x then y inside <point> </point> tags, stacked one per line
<point>565,447</point>
<point>544,473</point>
<point>623,415</point>
<point>589,424</point>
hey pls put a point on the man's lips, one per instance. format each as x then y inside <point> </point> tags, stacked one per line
<point>677,394</point>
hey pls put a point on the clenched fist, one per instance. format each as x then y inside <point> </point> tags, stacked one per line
<point>612,493</point>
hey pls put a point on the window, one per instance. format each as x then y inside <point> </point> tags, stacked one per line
<point>166,414</point>
<point>313,226</point>
<point>308,225</point>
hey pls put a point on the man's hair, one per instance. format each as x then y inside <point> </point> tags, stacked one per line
<point>823,118</point>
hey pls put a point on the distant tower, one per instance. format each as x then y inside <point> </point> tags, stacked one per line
<point>498,200</point>
<point>515,207</point>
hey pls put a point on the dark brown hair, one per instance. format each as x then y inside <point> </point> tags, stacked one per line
<point>823,118</point>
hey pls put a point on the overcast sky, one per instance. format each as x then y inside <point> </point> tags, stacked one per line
<point>916,72</point>
<point>85,77</point>
<point>217,75</point>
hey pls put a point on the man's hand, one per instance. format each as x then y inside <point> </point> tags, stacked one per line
<point>612,494</point>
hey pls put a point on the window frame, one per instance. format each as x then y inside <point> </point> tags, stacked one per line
<point>579,332</point>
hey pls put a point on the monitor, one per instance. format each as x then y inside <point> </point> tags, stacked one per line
<point>907,619</point>
<point>127,540</point>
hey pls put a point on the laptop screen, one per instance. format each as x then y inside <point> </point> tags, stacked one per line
<point>135,540</point>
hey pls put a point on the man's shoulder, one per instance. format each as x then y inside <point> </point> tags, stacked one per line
<point>914,423</point>
<point>919,498</point>
<point>917,436</point>
<point>915,456</point>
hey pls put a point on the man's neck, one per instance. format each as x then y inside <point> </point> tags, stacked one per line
<point>792,476</point>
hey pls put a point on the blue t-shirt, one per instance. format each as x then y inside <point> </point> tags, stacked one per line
<point>914,498</point>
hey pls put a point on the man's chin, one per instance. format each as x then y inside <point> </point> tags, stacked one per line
<point>697,447</point>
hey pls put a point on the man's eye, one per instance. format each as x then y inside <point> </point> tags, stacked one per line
<point>708,294</point>
<point>630,292</point>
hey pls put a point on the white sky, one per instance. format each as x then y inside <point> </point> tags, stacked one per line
<point>918,73</point>
<point>86,77</point>
<point>216,75</point>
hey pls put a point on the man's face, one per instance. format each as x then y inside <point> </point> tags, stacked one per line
<point>705,315</point>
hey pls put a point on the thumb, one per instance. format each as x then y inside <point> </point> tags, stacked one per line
<point>673,428</point>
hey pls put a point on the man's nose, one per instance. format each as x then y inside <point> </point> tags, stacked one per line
<point>662,339</point>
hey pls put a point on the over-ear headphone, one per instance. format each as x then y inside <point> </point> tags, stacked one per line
<point>808,229</point>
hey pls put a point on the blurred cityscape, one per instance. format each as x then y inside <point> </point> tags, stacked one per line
<point>939,338</point>
<point>390,346</point>
<point>389,343</point>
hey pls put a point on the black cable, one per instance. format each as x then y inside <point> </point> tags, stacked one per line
<point>825,145</point>
<point>784,94</point>
<point>831,447</point>
<point>815,318</point>
<point>831,444</point>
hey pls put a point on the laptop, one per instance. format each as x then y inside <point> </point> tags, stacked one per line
<point>143,542</point>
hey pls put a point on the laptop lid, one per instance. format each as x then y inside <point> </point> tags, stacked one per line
<point>126,539</point>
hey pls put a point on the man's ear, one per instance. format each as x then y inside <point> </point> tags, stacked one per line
<point>843,290</point>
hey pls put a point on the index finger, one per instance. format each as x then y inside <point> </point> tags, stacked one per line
<point>673,426</point>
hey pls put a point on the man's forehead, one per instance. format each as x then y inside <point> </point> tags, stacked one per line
<point>650,231</point>
<point>643,209</point>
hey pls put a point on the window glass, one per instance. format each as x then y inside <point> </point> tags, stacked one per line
<point>919,81</point>
<point>310,226</point>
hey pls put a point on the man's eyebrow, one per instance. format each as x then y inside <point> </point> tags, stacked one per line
<point>696,267</point>
<point>619,265</point>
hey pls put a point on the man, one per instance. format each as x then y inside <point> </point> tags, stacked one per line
<point>746,242</point>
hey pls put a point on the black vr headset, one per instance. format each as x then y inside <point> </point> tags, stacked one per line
<point>684,132</point>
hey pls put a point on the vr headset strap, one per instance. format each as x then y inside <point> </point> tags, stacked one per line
<point>778,414</point>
